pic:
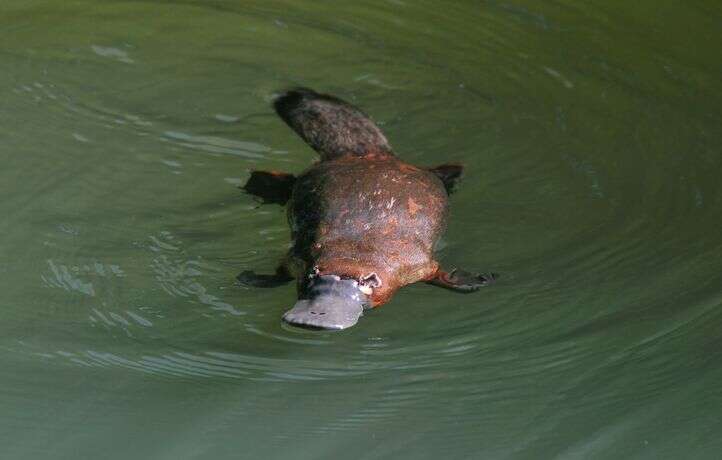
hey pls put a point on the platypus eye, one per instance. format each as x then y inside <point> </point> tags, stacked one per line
<point>370,280</point>
<point>314,271</point>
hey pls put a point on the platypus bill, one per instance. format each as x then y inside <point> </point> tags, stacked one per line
<point>363,222</point>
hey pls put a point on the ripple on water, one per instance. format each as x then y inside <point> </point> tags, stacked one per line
<point>181,277</point>
<point>112,53</point>
<point>213,144</point>
<point>87,122</point>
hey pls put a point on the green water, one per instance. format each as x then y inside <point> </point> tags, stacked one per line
<point>591,134</point>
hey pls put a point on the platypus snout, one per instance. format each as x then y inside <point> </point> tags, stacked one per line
<point>332,303</point>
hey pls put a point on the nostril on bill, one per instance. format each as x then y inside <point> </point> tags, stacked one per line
<point>341,317</point>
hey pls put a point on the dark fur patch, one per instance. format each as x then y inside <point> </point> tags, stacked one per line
<point>331,126</point>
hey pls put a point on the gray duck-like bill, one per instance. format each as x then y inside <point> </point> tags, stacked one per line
<point>332,303</point>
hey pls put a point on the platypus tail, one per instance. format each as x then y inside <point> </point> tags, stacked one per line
<point>331,126</point>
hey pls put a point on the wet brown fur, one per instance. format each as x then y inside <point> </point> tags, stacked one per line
<point>354,216</point>
<point>360,210</point>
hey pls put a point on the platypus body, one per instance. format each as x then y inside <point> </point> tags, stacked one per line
<point>363,222</point>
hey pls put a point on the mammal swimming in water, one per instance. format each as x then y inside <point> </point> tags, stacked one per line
<point>363,222</point>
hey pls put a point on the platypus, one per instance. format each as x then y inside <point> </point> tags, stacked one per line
<point>363,222</point>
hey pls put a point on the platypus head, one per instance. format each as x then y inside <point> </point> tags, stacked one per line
<point>332,303</point>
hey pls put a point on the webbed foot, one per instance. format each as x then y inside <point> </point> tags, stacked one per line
<point>450,174</point>
<point>462,281</point>
<point>270,186</point>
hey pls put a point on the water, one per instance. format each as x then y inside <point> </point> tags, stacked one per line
<point>591,138</point>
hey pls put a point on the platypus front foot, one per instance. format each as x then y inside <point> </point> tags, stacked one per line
<point>462,281</point>
<point>449,174</point>
<point>270,186</point>
<point>250,278</point>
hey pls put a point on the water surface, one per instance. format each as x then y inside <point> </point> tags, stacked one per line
<point>591,135</point>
